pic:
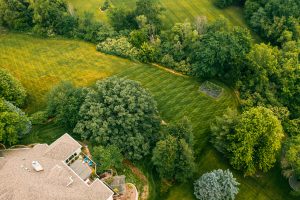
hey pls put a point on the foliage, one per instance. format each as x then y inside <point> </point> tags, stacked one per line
<point>224,3</point>
<point>16,14</point>
<point>292,127</point>
<point>107,157</point>
<point>52,17</point>
<point>64,102</point>
<point>177,43</point>
<point>292,154</point>
<point>39,117</point>
<point>121,18</point>
<point>221,128</point>
<point>90,30</point>
<point>255,141</point>
<point>271,76</point>
<point>173,156</point>
<point>173,159</point>
<point>106,5</point>
<point>120,47</point>
<point>11,89</point>
<point>274,19</point>
<point>14,124</point>
<point>183,129</point>
<point>151,10</point>
<point>221,52</point>
<point>120,112</point>
<point>216,185</point>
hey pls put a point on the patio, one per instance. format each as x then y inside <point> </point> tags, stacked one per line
<point>82,169</point>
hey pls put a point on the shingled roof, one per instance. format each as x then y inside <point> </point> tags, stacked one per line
<point>19,181</point>
<point>62,148</point>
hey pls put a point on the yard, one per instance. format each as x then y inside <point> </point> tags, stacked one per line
<point>42,63</point>
<point>176,10</point>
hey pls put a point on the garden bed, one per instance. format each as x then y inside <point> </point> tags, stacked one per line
<point>211,89</point>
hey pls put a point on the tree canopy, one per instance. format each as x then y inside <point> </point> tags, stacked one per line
<point>11,89</point>
<point>16,14</point>
<point>107,157</point>
<point>13,123</point>
<point>52,17</point>
<point>220,52</point>
<point>216,185</point>
<point>274,19</point>
<point>292,154</point>
<point>255,141</point>
<point>120,112</point>
<point>64,102</point>
<point>173,155</point>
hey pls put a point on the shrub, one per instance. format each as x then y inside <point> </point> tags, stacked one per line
<point>119,47</point>
<point>216,185</point>
<point>39,117</point>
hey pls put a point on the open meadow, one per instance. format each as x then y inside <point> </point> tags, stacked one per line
<point>42,63</point>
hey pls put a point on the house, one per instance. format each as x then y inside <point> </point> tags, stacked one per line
<point>50,172</point>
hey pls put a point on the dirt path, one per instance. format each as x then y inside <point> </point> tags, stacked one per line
<point>145,194</point>
<point>169,70</point>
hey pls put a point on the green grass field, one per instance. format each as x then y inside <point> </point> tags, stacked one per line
<point>41,63</point>
<point>176,10</point>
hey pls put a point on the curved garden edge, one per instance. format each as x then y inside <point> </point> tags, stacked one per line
<point>144,195</point>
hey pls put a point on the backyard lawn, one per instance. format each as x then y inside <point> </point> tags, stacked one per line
<point>176,10</point>
<point>41,63</point>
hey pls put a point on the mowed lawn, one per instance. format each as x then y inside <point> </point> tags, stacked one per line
<point>176,10</point>
<point>42,63</point>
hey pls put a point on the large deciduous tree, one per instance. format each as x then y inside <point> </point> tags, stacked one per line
<point>11,89</point>
<point>52,17</point>
<point>13,123</point>
<point>120,112</point>
<point>273,19</point>
<point>216,185</point>
<point>251,141</point>
<point>16,14</point>
<point>221,52</point>
<point>64,102</point>
<point>255,141</point>
<point>173,156</point>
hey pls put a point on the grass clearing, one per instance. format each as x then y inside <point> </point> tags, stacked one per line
<point>41,63</point>
<point>176,10</point>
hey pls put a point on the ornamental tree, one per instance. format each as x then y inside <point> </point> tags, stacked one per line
<point>120,112</point>
<point>216,185</point>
